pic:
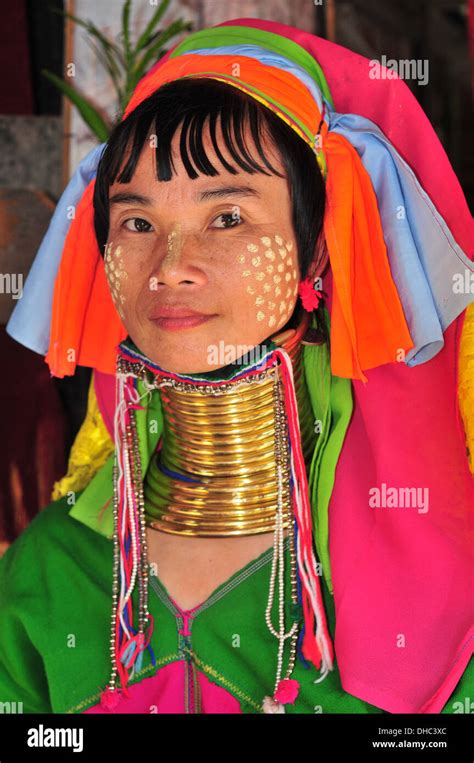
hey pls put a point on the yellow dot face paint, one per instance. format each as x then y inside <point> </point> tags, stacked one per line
<point>272,271</point>
<point>173,246</point>
<point>116,273</point>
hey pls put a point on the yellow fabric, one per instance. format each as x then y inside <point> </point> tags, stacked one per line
<point>466,381</point>
<point>91,449</point>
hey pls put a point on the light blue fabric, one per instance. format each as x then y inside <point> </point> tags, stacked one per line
<point>30,321</point>
<point>423,254</point>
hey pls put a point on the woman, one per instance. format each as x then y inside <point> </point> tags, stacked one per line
<point>259,493</point>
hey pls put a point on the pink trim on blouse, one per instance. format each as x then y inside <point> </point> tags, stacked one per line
<point>164,692</point>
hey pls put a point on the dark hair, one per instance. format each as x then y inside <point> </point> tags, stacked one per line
<point>190,102</point>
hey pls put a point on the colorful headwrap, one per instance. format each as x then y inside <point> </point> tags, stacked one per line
<point>385,237</point>
<point>399,234</point>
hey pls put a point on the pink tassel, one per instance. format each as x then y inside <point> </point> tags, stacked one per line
<point>287,691</point>
<point>128,647</point>
<point>109,699</point>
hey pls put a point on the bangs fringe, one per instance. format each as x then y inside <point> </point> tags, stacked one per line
<point>202,99</point>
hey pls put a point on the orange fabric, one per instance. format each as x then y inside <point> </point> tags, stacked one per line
<point>367,321</point>
<point>368,326</point>
<point>85,326</point>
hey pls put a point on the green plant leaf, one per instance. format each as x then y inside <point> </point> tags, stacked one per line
<point>110,66</point>
<point>126,30</point>
<point>92,29</point>
<point>143,40</point>
<point>87,111</point>
<point>175,28</point>
<point>125,64</point>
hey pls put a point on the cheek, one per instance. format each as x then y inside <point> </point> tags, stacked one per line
<point>269,279</point>
<point>117,276</point>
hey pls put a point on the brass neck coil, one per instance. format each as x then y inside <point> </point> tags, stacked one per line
<point>214,471</point>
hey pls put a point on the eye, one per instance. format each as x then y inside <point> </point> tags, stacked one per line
<point>233,218</point>
<point>139,225</point>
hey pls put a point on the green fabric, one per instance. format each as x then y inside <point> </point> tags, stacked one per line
<point>332,403</point>
<point>54,587</point>
<point>55,605</point>
<point>243,35</point>
<point>231,643</point>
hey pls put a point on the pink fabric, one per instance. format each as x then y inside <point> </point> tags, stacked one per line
<point>104,388</point>
<point>164,692</point>
<point>397,573</point>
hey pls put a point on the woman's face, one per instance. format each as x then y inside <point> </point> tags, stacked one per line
<point>201,270</point>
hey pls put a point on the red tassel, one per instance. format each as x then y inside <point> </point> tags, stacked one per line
<point>309,296</point>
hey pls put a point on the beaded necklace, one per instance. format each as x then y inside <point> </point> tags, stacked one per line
<point>136,378</point>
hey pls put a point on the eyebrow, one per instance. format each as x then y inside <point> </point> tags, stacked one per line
<point>124,197</point>
<point>232,190</point>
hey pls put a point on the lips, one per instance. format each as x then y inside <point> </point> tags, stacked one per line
<point>175,311</point>
<point>173,317</point>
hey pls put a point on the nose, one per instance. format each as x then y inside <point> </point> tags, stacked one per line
<point>178,261</point>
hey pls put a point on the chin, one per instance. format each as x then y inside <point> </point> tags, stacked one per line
<point>198,354</point>
<point>180,363</point>
<point>179,367</point>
